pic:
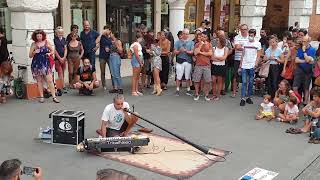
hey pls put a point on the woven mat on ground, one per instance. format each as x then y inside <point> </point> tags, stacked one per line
<point>169,157</point>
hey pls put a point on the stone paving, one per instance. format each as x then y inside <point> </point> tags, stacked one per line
<point>222,124</point>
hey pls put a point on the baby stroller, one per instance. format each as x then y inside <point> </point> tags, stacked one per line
<point>46,91</point>
<point>259,83</point>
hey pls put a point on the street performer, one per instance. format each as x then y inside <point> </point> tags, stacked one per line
<point>116,121</point>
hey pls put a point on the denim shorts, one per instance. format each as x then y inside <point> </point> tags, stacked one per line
<point>134,61</point>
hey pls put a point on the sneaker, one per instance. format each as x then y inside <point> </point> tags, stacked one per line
<point>249,101</point>
<point>242,102</point>
<point>196,98</point>
<point>189,93</point>
<point>207,98</point>
<point>139,93</point>
<point>177,93</point>
<point>112,91</point>
<point>104,88</point>
<point>120,91</point>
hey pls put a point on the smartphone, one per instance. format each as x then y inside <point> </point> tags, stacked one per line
<point>29,171</point>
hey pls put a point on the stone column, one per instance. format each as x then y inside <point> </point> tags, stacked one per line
<point>102,14</point>
<point>157,16</point>
<point>252,13</point>
<point>65,15</point>
<point>176,16</point>
<point>300,11</point>
<point>27,16</point>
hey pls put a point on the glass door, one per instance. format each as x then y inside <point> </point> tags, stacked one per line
<point>119,19</point>
<point>127,17</point>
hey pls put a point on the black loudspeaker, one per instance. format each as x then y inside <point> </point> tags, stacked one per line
<point>68,127</point>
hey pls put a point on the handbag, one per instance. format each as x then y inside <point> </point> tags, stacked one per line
<point>264,69</point>
<point>289,69</point>
<point>51,60</point>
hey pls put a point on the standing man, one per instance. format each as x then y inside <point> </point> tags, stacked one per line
<point>303,73</point>
<point>88,39</point>
<point>239,40</point>
<point>264,39</point>
<point>183,49</point>
<point>4,53</point>
<point>60,44</point>
<point>104,42</point>
<point>202,69</point>
<point>249,60</point>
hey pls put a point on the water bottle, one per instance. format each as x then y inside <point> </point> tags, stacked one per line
<point>313,127</point>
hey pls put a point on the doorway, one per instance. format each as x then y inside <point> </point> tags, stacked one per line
<point>276,18</point>
<point>128,17</point>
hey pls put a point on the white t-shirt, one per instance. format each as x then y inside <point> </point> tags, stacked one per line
<point>293,110</point>
<point>250,54</point>
<point>219,53</point>
<point>239,40</point>
<point>115,118</point>
<point>267,107</point>
<point>139,48</point>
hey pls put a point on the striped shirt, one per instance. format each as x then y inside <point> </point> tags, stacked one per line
<point>239,40</point>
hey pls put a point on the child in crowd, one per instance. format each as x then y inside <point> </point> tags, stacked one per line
<point>291,112</point>
<point>266,109</point>
<point>5,78</point>
<point>311,111</point>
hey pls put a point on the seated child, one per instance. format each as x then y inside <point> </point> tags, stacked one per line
<point>310,112</point>
<point>5,78</point>
<point>266,109</point>
<point>291,112</point>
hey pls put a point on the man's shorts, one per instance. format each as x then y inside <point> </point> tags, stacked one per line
<point>235,68</point>
<point>202,71</point>
<point>302,78</point>
<point>115,133</point>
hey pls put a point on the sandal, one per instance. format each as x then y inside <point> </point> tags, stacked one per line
<point>41,100</point>
<point>56,100</point>
<point>289,130</point>
<point>215,98</point>
<point>134,94</point>
<point>296,131</point>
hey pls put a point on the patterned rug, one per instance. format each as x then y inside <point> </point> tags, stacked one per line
<point>168,157</point>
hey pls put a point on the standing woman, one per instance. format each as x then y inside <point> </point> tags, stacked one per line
<point>275,56</point>
<point>137,64</point>
<point>156,66</point>
<point>115,63</point>
<point>4,53</point>
<point>218,67</point>
<point>40,51</point>
<point>165,45</point>
<point>75,53</point>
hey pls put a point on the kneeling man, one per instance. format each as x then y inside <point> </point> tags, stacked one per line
<point>115,120</point>
<point>86,78</point>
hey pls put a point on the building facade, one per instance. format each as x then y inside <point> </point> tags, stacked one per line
<point>20,18</point>
<point>127,15</point>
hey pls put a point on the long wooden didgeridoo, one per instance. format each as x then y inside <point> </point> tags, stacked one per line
<point>199,147</point>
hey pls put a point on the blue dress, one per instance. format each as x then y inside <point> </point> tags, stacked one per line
<point>40,65</point>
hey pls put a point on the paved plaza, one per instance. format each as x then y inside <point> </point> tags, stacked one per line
<point>222,124</point>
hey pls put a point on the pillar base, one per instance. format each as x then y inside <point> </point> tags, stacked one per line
<point>33,92</point>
